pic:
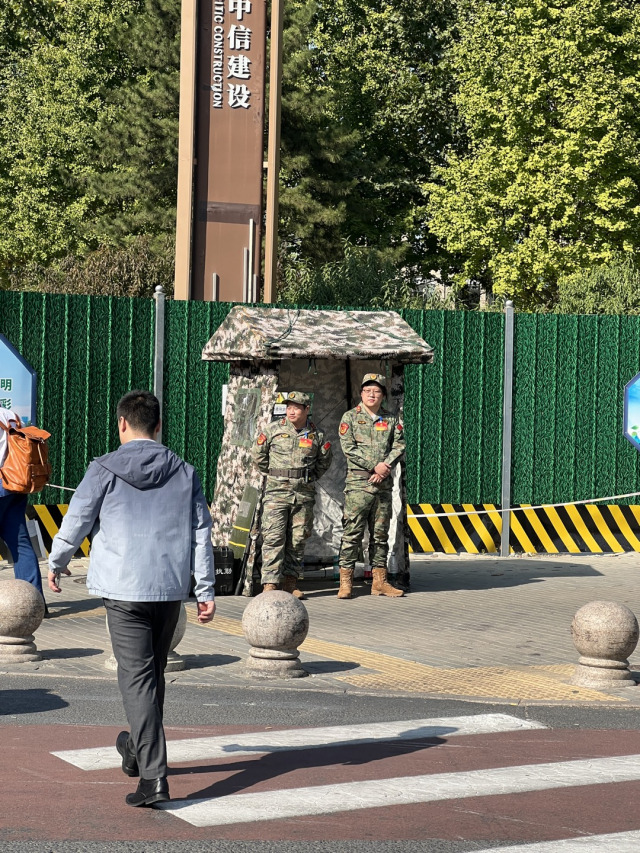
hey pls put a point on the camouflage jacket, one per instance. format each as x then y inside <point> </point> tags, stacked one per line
<point>281,447</point>
<point>366,442</point>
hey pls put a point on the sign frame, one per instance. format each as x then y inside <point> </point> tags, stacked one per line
<point>31,397</point>
<point>631,409</point>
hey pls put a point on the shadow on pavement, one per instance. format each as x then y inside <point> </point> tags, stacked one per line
<point>202,661</point>
<point>67,608</point>
<point>489,573</point>
<point>29,701</point>
<point>68,654</point>
<point>332,592</point>
<point>249,772</point>
<point>322,667</point>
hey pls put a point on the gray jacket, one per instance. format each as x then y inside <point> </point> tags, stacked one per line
<point>150,526</point>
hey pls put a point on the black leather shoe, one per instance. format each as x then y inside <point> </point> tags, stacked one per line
<point>149,791</point>
<point>129,761</point>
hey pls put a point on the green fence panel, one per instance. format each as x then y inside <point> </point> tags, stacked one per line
<point>192,388</point>
<point>453,409</point>
<point>569,376</point>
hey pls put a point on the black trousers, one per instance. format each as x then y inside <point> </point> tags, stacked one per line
<point>141,633</point>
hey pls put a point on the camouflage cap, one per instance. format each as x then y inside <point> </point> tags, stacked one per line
<point>298,397</point>
<point>376,378</point>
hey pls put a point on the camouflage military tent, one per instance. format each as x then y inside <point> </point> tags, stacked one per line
<point>325,353</point>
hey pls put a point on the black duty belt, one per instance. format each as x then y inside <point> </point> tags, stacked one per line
<point>292,473</point>
<point>356,472</point>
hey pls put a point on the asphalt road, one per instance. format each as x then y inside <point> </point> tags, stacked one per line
<point>36,700</point>
<point>70,812</point>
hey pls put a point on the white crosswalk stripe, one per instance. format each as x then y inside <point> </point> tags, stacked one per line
<point>254,743</point>
<point>404,790</point>
<point>618,842</point>
<point>238,809</point>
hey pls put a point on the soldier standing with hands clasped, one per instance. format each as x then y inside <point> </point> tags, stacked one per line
<point>372,442</point>
<point>293,454</point>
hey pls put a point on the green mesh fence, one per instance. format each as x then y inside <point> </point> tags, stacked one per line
<point>192,388</point>
<point>570,373</point>
<point>87,352</point>
<point>453,409</point>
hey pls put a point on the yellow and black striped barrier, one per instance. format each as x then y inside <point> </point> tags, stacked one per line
<point>570,528</point>
<point>49,518</point>
<point>476,528</point>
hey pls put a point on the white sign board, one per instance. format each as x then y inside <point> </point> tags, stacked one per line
<point>18,383</point>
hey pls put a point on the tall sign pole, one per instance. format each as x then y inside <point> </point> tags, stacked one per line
<point>273,151</point>
<point>224,144</point>
<point>186,136</point>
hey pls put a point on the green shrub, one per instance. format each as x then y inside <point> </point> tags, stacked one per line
<point>612,288</point>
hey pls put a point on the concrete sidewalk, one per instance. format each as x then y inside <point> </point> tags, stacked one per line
<point>472,628</point>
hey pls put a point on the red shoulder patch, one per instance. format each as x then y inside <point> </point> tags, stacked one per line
<point>326,445</point>
<point>261,438</point>
<point>399,427</point>
<point>343,428</point>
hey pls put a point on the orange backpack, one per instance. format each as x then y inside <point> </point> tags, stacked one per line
<point>26,468</point>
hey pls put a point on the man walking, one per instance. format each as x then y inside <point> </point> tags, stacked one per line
<point>293,454</point>
<point>151,530</point>
<point>372,442</point>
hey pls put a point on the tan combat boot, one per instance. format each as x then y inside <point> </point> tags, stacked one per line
<point>269,587</point>
<point>290,584</point>
<point>380,586</point>
<point>346,583</point>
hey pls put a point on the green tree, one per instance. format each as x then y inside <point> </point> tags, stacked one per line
<point>367,111</point>
<point>134,143</point>
<point>54,64</point>
<point>549,95</point>
<point>316,180</point>
<point>361,278</point>
<point>608,289</point>
<point>134,269</point>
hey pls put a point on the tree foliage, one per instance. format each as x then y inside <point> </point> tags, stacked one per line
<point>134,142</point>
<point>549,94</point>
<point>54,64</point>
<point>361,277</point>
<point>134,269</point>
<point>367,111</point>
<point>608,289</point>
<point>494,141</point>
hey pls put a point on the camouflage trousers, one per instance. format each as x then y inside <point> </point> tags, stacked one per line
<point>362,510</point>
<point>286,525</point>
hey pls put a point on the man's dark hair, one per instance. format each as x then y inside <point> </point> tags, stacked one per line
<point>141,410</point>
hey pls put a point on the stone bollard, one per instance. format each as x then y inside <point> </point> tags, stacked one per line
<point>174,661</point>
<point>605,633</point>
<point>275,623</point>
<point>21,613</point>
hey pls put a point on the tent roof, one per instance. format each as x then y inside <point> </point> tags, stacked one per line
<point>249,334</point>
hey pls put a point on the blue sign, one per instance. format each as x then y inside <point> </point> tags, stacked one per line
<point>18,383</point>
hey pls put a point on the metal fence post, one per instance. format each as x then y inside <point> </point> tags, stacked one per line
<point>158,350</point>
<point>507,408</point>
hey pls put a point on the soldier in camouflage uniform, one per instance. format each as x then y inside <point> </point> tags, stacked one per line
<point>372,442</point>
<point>293,454</point>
